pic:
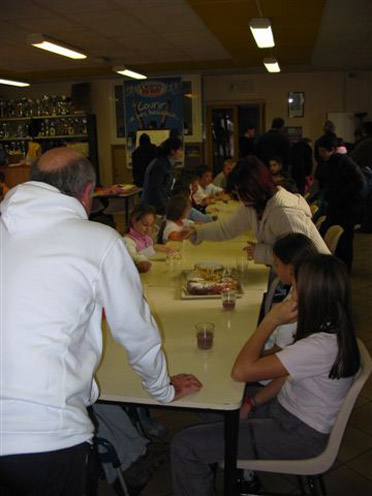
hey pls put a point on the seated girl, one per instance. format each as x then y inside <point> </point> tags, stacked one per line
<point>138,238</point>
<point>288,252</point>
<point>298,408</point>
<point>177,211</point>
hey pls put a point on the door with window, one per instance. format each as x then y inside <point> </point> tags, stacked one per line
<point>226,124</point>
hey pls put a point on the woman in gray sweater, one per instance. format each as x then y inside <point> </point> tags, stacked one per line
<point>269,211</point>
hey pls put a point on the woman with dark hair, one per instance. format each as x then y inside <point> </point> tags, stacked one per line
<point>268,210</point>
<point>292,417</point>
<point>159,177</point>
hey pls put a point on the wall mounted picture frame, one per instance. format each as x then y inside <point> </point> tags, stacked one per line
<point>296,104</point>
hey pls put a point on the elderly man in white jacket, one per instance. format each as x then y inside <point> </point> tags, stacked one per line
<point>58,271</point>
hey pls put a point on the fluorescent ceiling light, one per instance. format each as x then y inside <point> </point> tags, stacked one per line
<point>261,30</point>
<point>13,83</point>
<point>126,72</point>
<point>54,46</point>
<point>271,64</point>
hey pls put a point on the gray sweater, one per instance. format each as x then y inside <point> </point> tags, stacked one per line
<point>284,213</point>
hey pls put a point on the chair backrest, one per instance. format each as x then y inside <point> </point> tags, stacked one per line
<point>320,221</point>
<point>323,462</point>
<point>330,453</point>
<point>332,237</point>
<point>314,208</point>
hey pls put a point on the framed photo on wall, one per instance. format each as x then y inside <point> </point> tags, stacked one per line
<point>296,104</point>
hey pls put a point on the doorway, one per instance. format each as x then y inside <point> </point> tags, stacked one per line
<point>226,123</point>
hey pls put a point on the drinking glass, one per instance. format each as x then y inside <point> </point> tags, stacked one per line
<point>204,335</point>
<point>228,297</point>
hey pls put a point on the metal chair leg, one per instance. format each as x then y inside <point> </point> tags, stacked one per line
<point>301,485</point>
<point>322,485</point>
<point>313,485</point>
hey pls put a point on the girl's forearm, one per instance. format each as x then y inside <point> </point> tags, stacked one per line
<point>252,349</point>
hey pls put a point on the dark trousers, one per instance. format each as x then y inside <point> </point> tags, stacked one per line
<point>53,473</point>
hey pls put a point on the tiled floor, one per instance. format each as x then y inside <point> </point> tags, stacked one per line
<point>352,473</point>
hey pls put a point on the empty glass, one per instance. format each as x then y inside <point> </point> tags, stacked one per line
<point>242,267</point>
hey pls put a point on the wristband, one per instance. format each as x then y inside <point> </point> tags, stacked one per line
<point>251,402</point>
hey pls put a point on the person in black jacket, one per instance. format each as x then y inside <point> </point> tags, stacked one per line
<point>301,163</point>
<point>274,143</point>
<point>159,176</point>
<point>141,157</point>
<point>329,132</point>
<point>344,184</point>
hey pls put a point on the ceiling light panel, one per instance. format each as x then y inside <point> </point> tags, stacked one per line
<point>54,46</point>
<point>271,65</point>
<point>262,33</point>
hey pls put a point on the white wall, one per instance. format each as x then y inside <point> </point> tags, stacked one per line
<point>324,92</point>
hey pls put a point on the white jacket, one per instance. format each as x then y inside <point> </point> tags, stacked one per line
<point>58,270</point>
<point>284,213</point>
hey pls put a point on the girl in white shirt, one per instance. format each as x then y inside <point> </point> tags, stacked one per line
<point>292,417</point>
<point>178,209</point>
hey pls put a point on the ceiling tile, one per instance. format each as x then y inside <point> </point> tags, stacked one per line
<point>20,9</point>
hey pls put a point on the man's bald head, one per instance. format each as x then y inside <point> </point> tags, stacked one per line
<point>66,169</point>
<point>58,158</point>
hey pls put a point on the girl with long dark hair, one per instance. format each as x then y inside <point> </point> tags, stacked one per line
<point>292,417</point>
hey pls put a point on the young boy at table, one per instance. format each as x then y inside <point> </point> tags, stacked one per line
<point>221,179</point>
<point>280,176</point>
<point>206,191</point>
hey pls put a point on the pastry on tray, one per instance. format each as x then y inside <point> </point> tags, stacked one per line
<point>213,284</point>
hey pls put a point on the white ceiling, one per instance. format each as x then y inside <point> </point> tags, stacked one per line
<point>164,34</point>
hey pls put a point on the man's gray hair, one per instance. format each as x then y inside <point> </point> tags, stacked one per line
<point>71,179</point>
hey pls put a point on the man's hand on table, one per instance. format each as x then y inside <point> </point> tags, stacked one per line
<point>185,384</point>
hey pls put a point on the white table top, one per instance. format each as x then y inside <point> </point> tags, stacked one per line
<point>176,319</point>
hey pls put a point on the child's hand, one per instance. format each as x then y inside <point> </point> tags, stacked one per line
<point>169,250</point>
<point>283,313</point>
<point>143,266</point>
